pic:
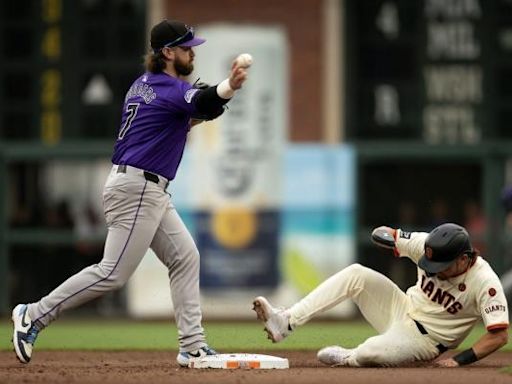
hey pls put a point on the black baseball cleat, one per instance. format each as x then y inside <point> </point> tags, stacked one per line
<point>24,334</point>
<point>184,358</point>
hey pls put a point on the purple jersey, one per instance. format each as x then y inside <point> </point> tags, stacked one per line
<point>155,123</point>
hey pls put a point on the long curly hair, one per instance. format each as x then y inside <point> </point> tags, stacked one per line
<point>155,62</point>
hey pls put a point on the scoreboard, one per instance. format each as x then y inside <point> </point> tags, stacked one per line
<point>65,66</point>
<point>429,106</point>
<point>431,71</point>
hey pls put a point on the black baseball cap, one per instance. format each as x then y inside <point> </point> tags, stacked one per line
<point>442,247</point>
<point>173,33</point>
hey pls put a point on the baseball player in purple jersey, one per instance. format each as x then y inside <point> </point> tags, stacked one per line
<point>159,109</point>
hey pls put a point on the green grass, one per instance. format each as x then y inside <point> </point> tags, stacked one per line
<point>244,336</point>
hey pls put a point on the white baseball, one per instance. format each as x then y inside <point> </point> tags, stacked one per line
<point>244,60</point>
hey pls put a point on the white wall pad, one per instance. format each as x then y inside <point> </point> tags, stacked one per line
<point>240,361</point>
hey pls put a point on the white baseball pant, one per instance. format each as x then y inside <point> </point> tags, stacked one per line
<point>383,304</point>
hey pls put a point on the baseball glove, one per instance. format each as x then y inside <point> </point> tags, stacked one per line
<point>383,238</point>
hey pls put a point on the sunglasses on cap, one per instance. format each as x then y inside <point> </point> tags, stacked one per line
<point>186,37</point>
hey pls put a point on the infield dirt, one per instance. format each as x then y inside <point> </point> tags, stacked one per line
<point>160,367</point>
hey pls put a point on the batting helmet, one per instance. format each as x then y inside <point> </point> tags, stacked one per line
<point>442,247</point>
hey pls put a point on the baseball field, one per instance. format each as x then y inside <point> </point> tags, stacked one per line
<point>131,352</point>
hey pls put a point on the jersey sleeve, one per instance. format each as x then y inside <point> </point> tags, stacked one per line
<point>410,244</point>
<point>181,98</point>
<point>493,305</point>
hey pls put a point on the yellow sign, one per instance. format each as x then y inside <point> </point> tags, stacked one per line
<point>234,227</point>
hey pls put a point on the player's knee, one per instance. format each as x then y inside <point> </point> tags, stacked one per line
<point>191,256</point>
<point>111,279</point>
<point>351,274</point>
<point>357,269</point>
<point>117,283</point>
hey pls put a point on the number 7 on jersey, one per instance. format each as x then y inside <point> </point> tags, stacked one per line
<point>132,109</point>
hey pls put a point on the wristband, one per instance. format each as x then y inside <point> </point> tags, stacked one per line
<point>224,90</point>
<point>466,357</point>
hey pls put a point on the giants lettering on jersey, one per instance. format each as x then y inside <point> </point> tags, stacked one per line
<point>437,295</point>
<point>495,307</point>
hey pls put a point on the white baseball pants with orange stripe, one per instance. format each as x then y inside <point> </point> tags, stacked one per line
<point>383,304</point>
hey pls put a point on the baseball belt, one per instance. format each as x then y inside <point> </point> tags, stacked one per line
<point>123,168</point>
<point>440,347</point>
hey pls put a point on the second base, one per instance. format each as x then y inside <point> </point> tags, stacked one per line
<point>240,361</point>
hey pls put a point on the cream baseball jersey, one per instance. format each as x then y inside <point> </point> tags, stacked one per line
<point>449,309</point>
